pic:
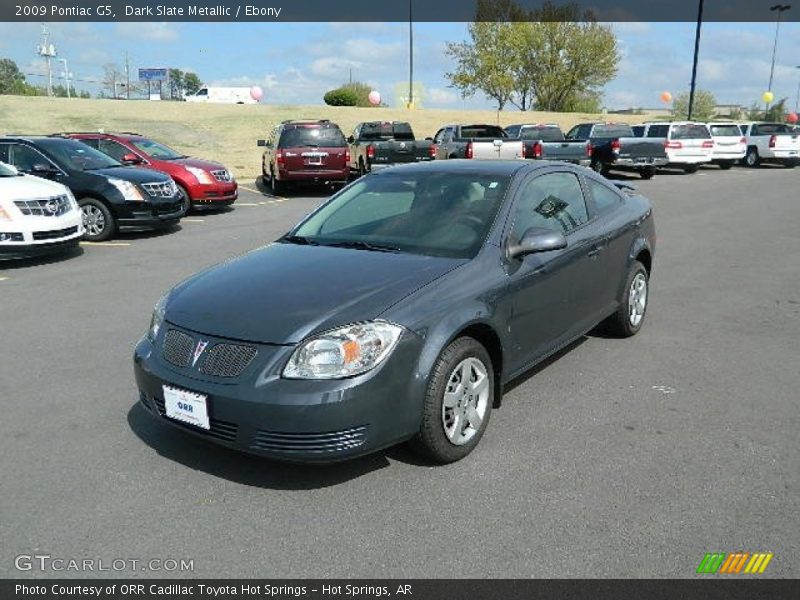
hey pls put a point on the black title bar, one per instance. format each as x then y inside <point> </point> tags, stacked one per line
<point>385,11</point>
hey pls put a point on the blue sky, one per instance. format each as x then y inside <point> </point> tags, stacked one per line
<point>298,62</point>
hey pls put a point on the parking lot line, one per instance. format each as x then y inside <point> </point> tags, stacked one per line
<point>249,189</point>
<point>247,204</point>
<point>112,244</point>
<point>193,220</point>
<point>3,278</point>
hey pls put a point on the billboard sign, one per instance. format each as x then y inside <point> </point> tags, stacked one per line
<point>150,75</point>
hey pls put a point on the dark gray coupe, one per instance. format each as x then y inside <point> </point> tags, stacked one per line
<point>398,310</point>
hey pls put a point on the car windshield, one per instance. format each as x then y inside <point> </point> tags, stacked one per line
<point>312,135</point>
<point>387,131</point>
<point>77,155</point>
<point>726,130</point>
<point>689,132</point>
<point>434,214</point>
<point>156,150</point>
<point>6,171</point>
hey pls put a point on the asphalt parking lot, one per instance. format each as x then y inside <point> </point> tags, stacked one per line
<point>619,458</point>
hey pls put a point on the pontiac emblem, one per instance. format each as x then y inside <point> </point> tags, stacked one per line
<point>198,351</point>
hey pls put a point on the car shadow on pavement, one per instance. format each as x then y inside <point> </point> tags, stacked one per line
<point>304,190</point>
<point>48,259</point>
<point>520,379</point>
<point>239,467</point>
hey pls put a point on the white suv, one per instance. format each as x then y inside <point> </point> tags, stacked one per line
<point>37,216</point>
<point>771,142</point>
<point>730,146</point>
<point>688,145</point>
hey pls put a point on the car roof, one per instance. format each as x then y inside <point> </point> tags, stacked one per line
<point>34,138</point>
<point>501,168</point>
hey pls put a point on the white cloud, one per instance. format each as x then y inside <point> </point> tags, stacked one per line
<point>440,97</point>
<point>154,32</point>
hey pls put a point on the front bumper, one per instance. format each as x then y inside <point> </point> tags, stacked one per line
<point>296,420</point>
<point>22,251</point>
<point>639,163</point>
<point>148,215</point>
<point>214,195</point>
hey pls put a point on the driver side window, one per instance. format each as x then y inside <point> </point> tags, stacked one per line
<point>113,149</point>
<point>552,201</point>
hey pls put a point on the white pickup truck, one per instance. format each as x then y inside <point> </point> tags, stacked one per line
<point>476,141</point>
<point>771,142</point>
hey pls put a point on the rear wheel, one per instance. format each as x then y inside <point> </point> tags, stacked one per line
<point>752,159</point>
<point>277,187</point>
<point>629,318</point>
<point>458,402</point>
<point>599,167</point>
<point>689,169</point>
<point>97,220</point>
<point>647,173</point>
<point>790,164</point>
<point>362,169</point>
<point>726,165</point>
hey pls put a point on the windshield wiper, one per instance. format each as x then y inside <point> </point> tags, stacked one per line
<point>298,239</point>
<point>362,245</point>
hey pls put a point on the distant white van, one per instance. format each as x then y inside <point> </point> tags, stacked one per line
<point>223,95</point>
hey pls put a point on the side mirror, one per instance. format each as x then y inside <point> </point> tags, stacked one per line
<point>537,239</point>
<point>261,143</point>
<point>351,139</point>
<point>42,169</point>
<point>428,139</point>
<point>131,159</point>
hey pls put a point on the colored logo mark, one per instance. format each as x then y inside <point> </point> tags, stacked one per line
<point>735,563</point>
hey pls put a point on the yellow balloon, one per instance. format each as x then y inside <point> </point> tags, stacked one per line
<point>768,97</point>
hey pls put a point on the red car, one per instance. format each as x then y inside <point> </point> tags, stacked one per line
<point>305,151</point>
<point>203,183</point>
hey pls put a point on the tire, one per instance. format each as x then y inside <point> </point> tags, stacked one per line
<point>725,166</point>
<point>752,159</point>
<point>690,169</point>
<point>278,188</point>
<point>790,164</point>
<point>446,433</point>
<point>187,200</point>
<point>647,173</point>
<point>598,166</point>
<point>623,323</point>
<point>97,220</point>
<point>362,169</point>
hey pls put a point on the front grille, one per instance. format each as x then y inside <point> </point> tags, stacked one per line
<point>222,430</point>
<point>228,360</point>
<point>44,207</point>
<point>178,348</point>
<point>168,209</point>
<point>55,234</point>
<point>321,443</point>
<point>166,189</point>
<point>222,176</point>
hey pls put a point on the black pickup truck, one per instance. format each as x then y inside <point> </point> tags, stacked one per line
<point>378,144</point>
<point>547,142</point>
<point>614,146</point>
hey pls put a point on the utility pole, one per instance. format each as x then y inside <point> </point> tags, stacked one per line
<point>696,54</point>
<point>410,55</point>
<point>779,8</point>
<point>127,76</point>
<point>66,74</point>
<point>47,51</point>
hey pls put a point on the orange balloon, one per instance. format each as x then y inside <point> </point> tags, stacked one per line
<point>666,97</point>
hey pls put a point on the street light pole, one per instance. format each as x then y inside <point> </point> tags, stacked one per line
<point>797,101</point>
<point>410,55</point>
<point>696,54</point>
<point>66,74</point>
<point>779,8</point>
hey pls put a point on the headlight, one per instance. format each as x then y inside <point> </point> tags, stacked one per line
<point>202,176</point>
<point>158,318</point>
<point>127,189</point>
<point>344,352</point>
<point>72,201</point>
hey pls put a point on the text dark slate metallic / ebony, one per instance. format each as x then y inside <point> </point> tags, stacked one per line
<point>398,310</point>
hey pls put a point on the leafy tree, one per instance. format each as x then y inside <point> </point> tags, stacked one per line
<point>361,90</point>
<point>777,112</point>
<point>113,76</point>
<point>176,84</point>
<point>191,83</point>
<point>12,81</point>
<point>551,58</point>
<point>705,105</point>
<point>341,97</point>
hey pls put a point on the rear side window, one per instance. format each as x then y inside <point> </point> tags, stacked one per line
<point>312,135</point>
<point>605,199</point>
<point>552,201</point>
<point>513,130</point>
<point>113,149</point>
<point>612,131</point>
<point>658,131</point>
<point>580,132</point>
<point>689,132</point>
<point>546,134</point>
<point>725,130</point>
<point>638,130</point>
<point>770,128</point>
<point>387,131</point>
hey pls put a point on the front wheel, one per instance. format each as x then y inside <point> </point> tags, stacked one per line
<point>277,187</point>
<point>97,220</point>
<point>186,199</point>
<point>752,159</point>
<point>689,169</point>
<point>458,402</point>
<point>629,318</point>
<point>647,173</point>
<point>726,165</point>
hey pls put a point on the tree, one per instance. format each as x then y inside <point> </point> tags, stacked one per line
<point>551,58</point>
<point>777,112</point>
<point>704,109</point>
<point>341,97</point>
<point>113,76</point>
<point>177,84</point>
<point>191,83</point>
<point>12,81</point>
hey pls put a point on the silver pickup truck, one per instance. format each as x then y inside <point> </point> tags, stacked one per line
<point>476,141</point>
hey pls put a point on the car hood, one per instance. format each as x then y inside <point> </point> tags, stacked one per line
<point>282,293</point>
<point>197,163</point>
<point>28,187</point>
<point>132,174</point>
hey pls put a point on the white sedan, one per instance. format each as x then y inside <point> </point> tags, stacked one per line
<point>37,216</point>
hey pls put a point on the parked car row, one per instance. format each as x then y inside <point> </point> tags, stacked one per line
<point>58,189</point>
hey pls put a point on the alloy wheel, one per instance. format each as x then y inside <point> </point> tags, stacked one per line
<point>94,221</point>
<point>466,400</point>
<point>637,299</point>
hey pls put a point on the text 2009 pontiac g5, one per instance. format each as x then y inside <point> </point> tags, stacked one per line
<point>398,310</point>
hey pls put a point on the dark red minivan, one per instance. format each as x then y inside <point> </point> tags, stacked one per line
<point>305,151</point>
